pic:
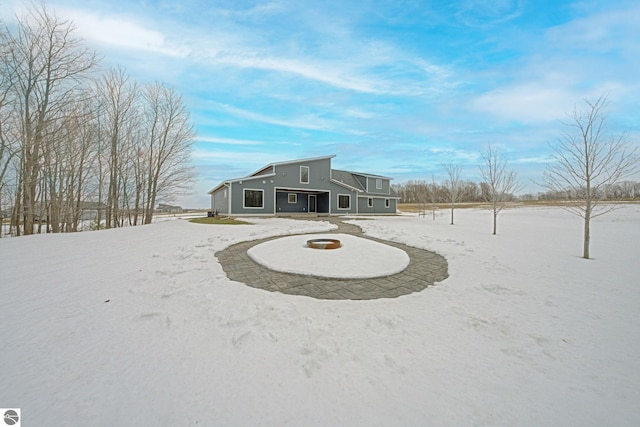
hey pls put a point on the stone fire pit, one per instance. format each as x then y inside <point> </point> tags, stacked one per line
<point>324,243</point>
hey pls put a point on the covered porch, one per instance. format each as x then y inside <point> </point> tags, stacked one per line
<point>297,201</point>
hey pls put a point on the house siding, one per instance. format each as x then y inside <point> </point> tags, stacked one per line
<point>283,205</point>
<point>220,203</point>
<point>256,183</point>
<point>379,206</point>
<point>371,186</point>
<point>338,190</point>
<point>288,175</point>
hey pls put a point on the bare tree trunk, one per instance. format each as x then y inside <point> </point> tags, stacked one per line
<point>28,194</point>
<point>587,232</point>
<point>17,214</point>
<point>453,186</point>
<point>434,195</point>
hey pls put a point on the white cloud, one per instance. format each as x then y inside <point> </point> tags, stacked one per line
<point>119,31</point>
<point>215,155</point>
<point>312,122</point>
<point>245,161</point>
<point>329,73</point>
<point>228,141</point>
<point>533,160</point>
<point>526,102</point>
<point>597,54</point>
<point>359,113</point>
<point>452,154</point>
<point>615,29</point>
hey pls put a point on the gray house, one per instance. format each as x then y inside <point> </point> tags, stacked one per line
<point>304,186</point>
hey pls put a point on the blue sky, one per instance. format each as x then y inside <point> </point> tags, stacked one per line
<point>397,88</point>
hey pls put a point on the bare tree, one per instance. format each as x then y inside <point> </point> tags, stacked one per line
<point>78,157</point>
<point>170,138</point>
<point>588,162</point>
<point>453,185</point>
<point>499,183</point>
<point>63,142</point>
<point>101,165</point>
<point>118,97</point>
<point>8,146</point>
<point>49,66</point>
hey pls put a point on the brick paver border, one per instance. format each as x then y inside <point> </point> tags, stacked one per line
<point>425,268</point>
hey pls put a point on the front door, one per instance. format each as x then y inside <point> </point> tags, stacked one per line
<point>312,203</point>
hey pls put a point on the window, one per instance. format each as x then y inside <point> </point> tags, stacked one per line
<point>225,194</point>
<point>387,203</point>
<point>370,202</point>
<point>304,174</point>
<point>292,198</point>
<point>253,198</point>
<point>344,201</point>
<point>378,184</point>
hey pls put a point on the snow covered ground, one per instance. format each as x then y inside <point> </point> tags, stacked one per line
<point>140,326</point>
<point>355,258</point>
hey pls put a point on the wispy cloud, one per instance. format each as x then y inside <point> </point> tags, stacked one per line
<point>534,160</point>
<point>371,67</point>
<point>325,73</point>
<point>245,162</point>
<point>228,141</point>
<point>311,123</point>
<point>487,13</point>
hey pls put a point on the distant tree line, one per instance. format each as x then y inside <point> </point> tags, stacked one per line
<point>423,191</point>
<point>625,190</point>
<point>74,138</point>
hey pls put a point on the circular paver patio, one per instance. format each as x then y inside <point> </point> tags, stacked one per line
<point>425,268</point>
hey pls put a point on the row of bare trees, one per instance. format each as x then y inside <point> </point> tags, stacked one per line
<point>426,192</point>
<point>74,139</point>
<point>625,190</point>
<point>590,166</point>
<point>498,186</point>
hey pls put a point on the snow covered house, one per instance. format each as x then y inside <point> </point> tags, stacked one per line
<point>302,186</point>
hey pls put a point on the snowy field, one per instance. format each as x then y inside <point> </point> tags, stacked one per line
<point>140,326</point>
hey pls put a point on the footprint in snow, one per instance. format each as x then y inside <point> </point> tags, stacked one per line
<point>239,337</point>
